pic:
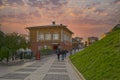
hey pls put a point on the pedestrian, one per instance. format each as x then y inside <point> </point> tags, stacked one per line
<point>70,51</point>
<point>58,54</point>
<point>63,53</point>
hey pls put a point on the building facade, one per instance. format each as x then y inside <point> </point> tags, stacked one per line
<point>77,43</point>
<point>50,37</point>
<point>91,40</point>
<point>113,29</point>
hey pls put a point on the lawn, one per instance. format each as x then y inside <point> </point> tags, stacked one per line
<point>101,60</point>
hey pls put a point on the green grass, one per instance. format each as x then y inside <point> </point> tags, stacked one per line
<point>101,60</point>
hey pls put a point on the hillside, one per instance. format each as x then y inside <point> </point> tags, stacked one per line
<point>100,61</point>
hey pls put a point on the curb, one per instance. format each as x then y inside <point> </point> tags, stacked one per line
<point>80,75</point>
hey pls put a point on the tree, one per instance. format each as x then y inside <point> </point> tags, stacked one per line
<point>4,53</point>
<point>10,43</point>
<point>2,43</point>
<point>2,38</point>
<point>15,41</point>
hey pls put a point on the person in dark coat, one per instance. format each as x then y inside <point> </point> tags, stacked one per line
<point>63,53</point>
<point>58,54</point>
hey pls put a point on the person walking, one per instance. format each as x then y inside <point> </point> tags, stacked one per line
<point>70,51</point>
<point>63,54</point>
<point>58,54</point>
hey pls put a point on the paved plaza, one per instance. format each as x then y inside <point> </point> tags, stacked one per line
<point>48,68</point>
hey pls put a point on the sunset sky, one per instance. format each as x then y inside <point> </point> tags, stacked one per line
<point>84,17</point>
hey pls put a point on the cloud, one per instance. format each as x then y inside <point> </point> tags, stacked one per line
<point>47,4</point>
<point>84,15</point>
<point>116,1</point>
<point>19,18</point>
<point>99,11</point>
<point>94,4</point>
<point>87,16</point>
<point>1,3</point>
<point>12,2</point>
<point>55,2</point>
<point>35,14</point>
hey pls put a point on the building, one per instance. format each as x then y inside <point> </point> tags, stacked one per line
<point>104,35</point>
<point>91,40</point>
<point>76,43</point>
<point>116,28</point>
<point>113,29</point>
<point>50,37</point>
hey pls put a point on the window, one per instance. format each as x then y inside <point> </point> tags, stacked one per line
<point>71,40</point>
<point>39,47</point>
<point>41,36</point>
<point>47,36</point>
<point>45,46</point>
<point>65,37</point>
<point>37,36</point>
<point>56,36</point>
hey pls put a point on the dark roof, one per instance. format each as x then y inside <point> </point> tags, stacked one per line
<point>49,26</point>
<point>116,27</point>
<point>45,26</point>
<point>92,37</point>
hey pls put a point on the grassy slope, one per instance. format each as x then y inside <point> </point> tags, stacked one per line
<point>100,61</point>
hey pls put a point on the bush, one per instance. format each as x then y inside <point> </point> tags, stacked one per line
<point>46,51</point>
<point>27,56</point>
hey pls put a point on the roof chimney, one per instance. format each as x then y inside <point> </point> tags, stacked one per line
<point>53,22</point>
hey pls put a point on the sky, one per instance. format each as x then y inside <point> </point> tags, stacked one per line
<point>84,17</point>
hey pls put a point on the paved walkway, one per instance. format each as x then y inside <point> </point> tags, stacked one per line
<point>45,69</point>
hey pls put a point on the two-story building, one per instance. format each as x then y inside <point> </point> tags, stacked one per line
<point>50,37</point>
<point>77,43</point>
<point>91,40</point>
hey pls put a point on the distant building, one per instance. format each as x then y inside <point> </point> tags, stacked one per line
<point>76,43</point>
<point>116,27</point>
<point>104,35</point>
<point>113,29</point>
<point>85,43</point>
<point>91,40</point>
<point>50,36</point>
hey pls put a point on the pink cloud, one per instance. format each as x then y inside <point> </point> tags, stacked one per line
<point>85,20</point>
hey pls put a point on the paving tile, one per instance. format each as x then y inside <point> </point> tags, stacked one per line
<point>45,59</point>
<point>26,70</point>
<point>58,66</point>
<point>58,63</point>
<point>56,77</point>
<point>36,65</point>
<point>57,70</point>
<point>14,76</point>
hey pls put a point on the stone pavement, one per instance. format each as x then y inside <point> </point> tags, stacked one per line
<point>45,69</point>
